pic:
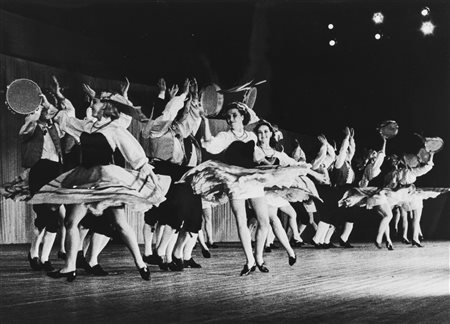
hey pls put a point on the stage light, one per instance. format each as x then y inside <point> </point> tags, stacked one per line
<point>332,42</point>
<point>377,36</point>
<point>427,28</point>
<point>330,26</point>
<point>425,11</point>
<point>378,18</point>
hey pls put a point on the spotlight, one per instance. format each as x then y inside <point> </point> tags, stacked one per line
<point>377,36</point>
<point>330,26</point>
<point>378,18</point>
<point>425,11</point>
<point>332,42</point>
<point>427,28</point>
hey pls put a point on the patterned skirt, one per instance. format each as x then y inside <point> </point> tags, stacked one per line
<point>216,181</point>
<point>409,198</point>
<point>104,186</point>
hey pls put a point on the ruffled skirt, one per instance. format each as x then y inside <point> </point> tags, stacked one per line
<point>409,198</point>
<point>216,181</point>
<point>104,186</point>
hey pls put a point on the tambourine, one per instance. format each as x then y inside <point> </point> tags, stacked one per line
<point>23,96</point>
<point>250,97</point>
<point>423,155</point>
<point>432,144</point>
<point>212,100</point>
<point>388,129</point>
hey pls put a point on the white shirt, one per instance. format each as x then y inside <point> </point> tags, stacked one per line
<point>221,141</point>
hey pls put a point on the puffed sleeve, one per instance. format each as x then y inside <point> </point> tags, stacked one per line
<point>130,148</point>
<point>218,143</point>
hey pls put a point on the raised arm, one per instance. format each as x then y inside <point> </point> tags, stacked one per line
<point>342,155</point>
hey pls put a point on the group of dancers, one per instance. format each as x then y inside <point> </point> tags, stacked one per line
<point>169,180</point>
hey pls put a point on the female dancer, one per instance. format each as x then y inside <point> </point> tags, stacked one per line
<point>267,155</point>
<point>97,184</point>
<point>238,180</point>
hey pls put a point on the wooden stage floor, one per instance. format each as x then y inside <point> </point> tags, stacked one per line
<point>360,285</point>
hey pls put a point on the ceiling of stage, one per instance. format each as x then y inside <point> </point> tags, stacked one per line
<point>312,85</point>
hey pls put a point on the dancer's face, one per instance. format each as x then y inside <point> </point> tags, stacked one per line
<point>234,118</point>
<point>97,108</point>
<point>264,134</point>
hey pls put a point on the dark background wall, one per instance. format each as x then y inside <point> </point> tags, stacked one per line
<point>312,88</point>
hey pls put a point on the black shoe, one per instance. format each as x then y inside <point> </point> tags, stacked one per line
<point>212,246</point>
<point>344,244</point>
<point>152,259</point>
<point>164,266</point>
<point>297,243</point>
<point>378,245</point>
<point>81,262</point>
<point>145,273</point>
<point>332,246</point>
<point>316,245</point>
<point>406,241</point>
<point>206,254</point>
<point>191,264</point>
<point>292,260</point>
<point>262,267</point>
<point>47,266</point>
<point>389,246</point>
<point>267,249</point>
<point>273,246</point>
<point>325,246</point>
<point>415,243</point>
<point>35,263</point>
<point>97,270</point>
<point>71,275</point>
<point>176,264</point>
<point>246,270</point>
<point>62,255</point>
<point>420,237</point>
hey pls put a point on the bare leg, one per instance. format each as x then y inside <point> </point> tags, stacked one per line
<point>128,236</point>
<point>207,217</point>
<point>301,228</point>
<point>238,208</point>
<point>279,231</point>
<point>262,214</point>
<point>98,243</point>
<point>270,237</point>
<point>404,217</point>
<point>290,211</point>
<point>201,240</point>
<point>311,220</point>
<point>386,212</point>
<point>416,224</point>
<point>72,220</point>
<point>159,233</point>
<point>396,215</point>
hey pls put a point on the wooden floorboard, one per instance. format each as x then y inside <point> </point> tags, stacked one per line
<point>360,285</point>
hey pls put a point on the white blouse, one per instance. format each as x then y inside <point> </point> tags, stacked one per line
<point>114,132</point>
<point>221,141</point>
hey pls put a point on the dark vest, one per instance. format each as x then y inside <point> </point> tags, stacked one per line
<point>33,145</point>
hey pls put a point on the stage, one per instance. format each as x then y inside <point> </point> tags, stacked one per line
<point>360,285</point>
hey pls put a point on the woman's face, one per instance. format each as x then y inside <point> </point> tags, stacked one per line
<point>97,108</point>
<point>234,118</point>
<point>264,134</point>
